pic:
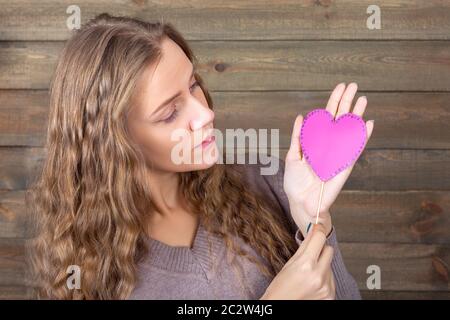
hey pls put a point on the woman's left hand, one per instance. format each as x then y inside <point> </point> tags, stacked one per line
<point>301,184</point>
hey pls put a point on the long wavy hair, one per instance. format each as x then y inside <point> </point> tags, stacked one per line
<point>90,199</point>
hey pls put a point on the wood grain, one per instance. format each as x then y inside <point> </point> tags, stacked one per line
<point>264,62</point>
<point>235,19</point>
<point>359,216</point>
<point>401,119</point>
<point>404,267</point>
<point>375,170</point>
<point>272,65</point>
<point>14,293</point>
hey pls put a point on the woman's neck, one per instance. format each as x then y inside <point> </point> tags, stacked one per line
<point>165,192</point>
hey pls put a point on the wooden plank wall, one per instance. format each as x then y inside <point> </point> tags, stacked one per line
<point>264,62</point>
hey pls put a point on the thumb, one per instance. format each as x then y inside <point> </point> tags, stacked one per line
<point>295,148</point>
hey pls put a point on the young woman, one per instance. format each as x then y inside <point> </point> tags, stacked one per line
<point>111,201</point>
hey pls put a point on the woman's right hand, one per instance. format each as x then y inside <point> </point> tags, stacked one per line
<point>307,275</point>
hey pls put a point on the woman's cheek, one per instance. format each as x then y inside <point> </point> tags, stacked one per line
<point>177,146</point>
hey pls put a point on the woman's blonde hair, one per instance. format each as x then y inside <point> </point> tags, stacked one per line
<point>90,200</point>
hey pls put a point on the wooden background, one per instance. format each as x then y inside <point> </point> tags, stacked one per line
<point>264,62</point>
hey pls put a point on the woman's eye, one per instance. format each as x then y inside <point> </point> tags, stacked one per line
<point>172,116</point>
<point>194,85</point>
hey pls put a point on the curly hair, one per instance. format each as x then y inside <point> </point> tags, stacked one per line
<point>90,198</point>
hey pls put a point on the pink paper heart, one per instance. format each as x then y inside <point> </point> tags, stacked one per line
<point>331,145</point>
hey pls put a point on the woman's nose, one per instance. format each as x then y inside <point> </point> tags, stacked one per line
<point>202,115</point>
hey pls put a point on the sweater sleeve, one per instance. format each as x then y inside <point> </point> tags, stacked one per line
<point>346,286</point>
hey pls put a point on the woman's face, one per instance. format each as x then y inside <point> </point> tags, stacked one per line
<point>170,131</point>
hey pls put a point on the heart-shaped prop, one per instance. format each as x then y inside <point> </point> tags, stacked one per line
<point>330,146</point>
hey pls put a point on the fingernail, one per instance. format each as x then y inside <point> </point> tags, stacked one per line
<point>364,97</point>
<point>319,227</point>
<point>309,226</point>
<point>373,121</point>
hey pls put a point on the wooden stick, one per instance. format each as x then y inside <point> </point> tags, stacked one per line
<point>320,201</point>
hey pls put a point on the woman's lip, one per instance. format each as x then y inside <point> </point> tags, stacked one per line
<point>206,141</point>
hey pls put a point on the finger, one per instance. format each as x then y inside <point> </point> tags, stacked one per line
<point>335,97</point>
<point>359,109</point>
<point>346,100</point>
<point>295,148</point>
<point>369,130</point>
<point>333,286</point>
<point>360,106</point>
<point>325,258</point>
<point>369,125</point>
<point>303,246</point>
<point>317,241</point>
<point>301,249</point>
<point>331,283</point>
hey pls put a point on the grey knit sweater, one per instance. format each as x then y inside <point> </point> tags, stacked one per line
<point>170,272</point>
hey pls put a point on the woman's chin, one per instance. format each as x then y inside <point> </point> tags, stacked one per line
<point>207,158</point>
<point>201,159</point>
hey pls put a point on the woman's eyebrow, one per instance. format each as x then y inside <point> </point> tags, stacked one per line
<point>176,95</point>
